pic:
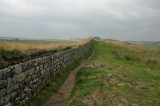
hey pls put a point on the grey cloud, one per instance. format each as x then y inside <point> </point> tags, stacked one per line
<point>116,19</point>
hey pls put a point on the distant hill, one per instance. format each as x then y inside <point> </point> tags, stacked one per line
<point>8,38</point>
<point>146,43</point>
<point>13,38</point>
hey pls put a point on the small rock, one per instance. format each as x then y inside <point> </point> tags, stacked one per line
<point>122,76</point>
<point>124,100</point>
<point>113,81</point>
<point>134,104</point>
<point>106,84</point>
<point>129,85</point>
<point>121,84</point>
<point>109,75</point>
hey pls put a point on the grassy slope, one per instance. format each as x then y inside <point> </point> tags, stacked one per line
<point>49,91</point>
<point>147,43</point>
<point>140,79</point>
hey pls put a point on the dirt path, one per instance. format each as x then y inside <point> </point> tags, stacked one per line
<point>65,91</point>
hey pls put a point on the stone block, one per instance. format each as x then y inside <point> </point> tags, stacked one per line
<point>1,74</point>
<point>2,92</point>
<point>31,71</point>
<point>9,104</point>
<point>34,62</point>
<point>6,73</point>
<point>10,86</point>
<point>17,68</point>
<point>13,95</point>
<point>7,99</point>
<point>3,83</point>
<point>2,101</point>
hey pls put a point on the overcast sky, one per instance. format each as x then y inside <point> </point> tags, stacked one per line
<point>112,19</point>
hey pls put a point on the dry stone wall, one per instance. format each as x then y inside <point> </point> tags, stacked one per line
<point>19,83</point>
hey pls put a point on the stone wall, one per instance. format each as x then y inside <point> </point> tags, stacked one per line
<point>19,83</point>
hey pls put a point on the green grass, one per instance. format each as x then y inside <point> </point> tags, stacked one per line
<point>129,70</point>
<point>49,91</point>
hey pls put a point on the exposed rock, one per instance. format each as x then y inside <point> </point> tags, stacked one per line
<point>109,75</point>
<point>93,100</point>
<point>106,84</point>
<point>121,84</point>
<point>96,65</point>
<point>128,84</point>
<point>124,100</point>
<point>121,76</point>
<point>113,81</point>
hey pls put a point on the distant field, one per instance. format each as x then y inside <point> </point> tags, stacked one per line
<point>27,45</point>
<point>146,43</point>
<point>43,41</point>
<point>13,51</point>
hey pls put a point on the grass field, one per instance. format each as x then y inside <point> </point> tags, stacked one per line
<point>147,43</point>
<point>28,45</point>
<point>119,74</point>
